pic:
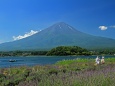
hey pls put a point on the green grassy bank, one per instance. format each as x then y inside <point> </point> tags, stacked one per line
<point>77,72</point>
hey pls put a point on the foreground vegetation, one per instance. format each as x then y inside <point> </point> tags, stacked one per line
<point>77,72</point>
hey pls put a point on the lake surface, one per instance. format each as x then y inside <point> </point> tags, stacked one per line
<point>37,60</point>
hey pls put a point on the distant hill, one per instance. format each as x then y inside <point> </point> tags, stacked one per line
<point>60,34</point>
<point>68,50</point>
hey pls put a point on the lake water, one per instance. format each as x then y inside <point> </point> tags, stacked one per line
<point>38,60</point>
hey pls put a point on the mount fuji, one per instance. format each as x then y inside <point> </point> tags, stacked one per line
<point>59,34</point>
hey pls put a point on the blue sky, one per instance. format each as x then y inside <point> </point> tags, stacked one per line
<point>19,17</point>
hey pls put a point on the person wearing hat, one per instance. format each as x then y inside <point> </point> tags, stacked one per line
<point>102,60</point>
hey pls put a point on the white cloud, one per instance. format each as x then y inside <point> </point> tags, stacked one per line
<point>112,26</point>
<point>103,27</point>
<point>32,32</point>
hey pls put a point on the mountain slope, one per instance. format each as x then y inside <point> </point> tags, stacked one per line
<point>57,35</point>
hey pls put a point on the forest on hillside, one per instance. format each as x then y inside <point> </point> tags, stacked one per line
<point>59,51</point>
<point>68,50</point>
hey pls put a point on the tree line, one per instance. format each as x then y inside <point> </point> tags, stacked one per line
<point>59,51</point>
<point>22,53</point>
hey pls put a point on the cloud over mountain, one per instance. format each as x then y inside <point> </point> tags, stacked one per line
<point>103,27</point>
<point>106,27</point>
<point>112,26</point>
<point>32,32</point>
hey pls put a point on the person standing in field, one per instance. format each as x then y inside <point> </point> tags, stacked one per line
<point>97,60</point>
<point>102,60</point>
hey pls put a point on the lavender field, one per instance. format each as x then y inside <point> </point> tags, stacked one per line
<point>77,72</point>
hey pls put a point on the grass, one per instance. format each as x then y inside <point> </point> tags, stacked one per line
<point>77,72</point>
